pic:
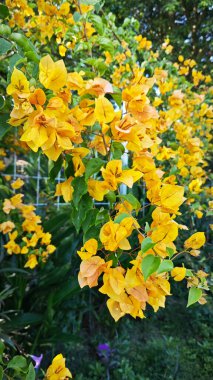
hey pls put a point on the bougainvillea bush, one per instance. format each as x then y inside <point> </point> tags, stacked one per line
<point>128,129</point>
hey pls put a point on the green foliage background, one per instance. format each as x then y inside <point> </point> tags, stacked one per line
<point>188,24</point>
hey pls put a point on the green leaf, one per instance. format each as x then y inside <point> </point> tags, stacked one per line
<point>66,290</point>
<point>76,16</point>
<point>56,168</point>
<point>70,167</point>
<point>78,216</point>
<point>132,200</point>
<point>120,217</point>
<point>5,46</point>
<point>106,44</point>
<point>170,251</point>
<point>17,363</point>
<point>111,197</point>
<point>2,347</point>
<point>2,102</point>
<point>1,372</point>
<point>24,43</point>
<point>5,30</point>
<point>13,60</point>
<point>89,2</point>
<point>117,150</point>
<point>92,233</point>
<point>80,188</point>
<point>102,217</point>
<point>165,266</point>
<point>89,219</point>
<point>149,265</point>
<point>98,24</point>
<point>93,166</point>
<point>4,11</point>
<point>147,227</point>
<point>189,273</point>
<point>4,126</point>
<point>31,373</point>
<point>23,320</point>
<point>32,56</point>
<point>147,244</point>
<point>194,296</point>
<point>117,96</point>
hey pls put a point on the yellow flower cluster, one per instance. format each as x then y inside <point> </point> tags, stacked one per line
<point>58,127</point>
<point>26,237</point>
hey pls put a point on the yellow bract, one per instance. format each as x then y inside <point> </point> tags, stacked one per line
<point>65,189</point>
<point>178,273</point>
<point>57,370</point>
<point>196,241</point>
<point>114,235</point>
<point>104,110</point>
<point>88,250</point>
<point>53,75</point>
<point>171,197</point>
<point>17,184</point>
<point>19,83</point>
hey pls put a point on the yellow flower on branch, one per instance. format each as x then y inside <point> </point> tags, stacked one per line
<point>104,110</point>
<point>114,235</point>
<point>17,184</point>
<point>6,227</point>
<point>19,83</point>
<point>65,189</point>
<point>196,241</point>
<point>57,370</point>
<point>31,262</point>
<point>53,75</point>
<point>89,249</point>
<point>114,175</point>
<point>178,273</point>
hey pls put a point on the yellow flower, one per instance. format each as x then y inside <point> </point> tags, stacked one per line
<point>178,273</point>
<point>90,270</point>
<point>88,250</point>
<point>113,175</point>
<point>114,282</point>
<point>65,189</point>
<point>31,262</point>
<point>62,50</point>
<point>171,197</point>
<point>199,214</point>
<point>38,97</point>
<point>180,58</point>
<point>19,83</point>
<point>57,370</point>
<point>12,203</point>
<point>104,110</point>
<point>53,75</point>
<point>114,235</point>
<point>17,184</point>
<point>195,186</point>
<point>2,165</point>
<point>195,241</point>
<point>79,166</point>
<point>6,227</point>
<point>51,248</point>
<point>97,189</point>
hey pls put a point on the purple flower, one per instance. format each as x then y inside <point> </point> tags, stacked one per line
<point>104,347</point>
<point>37,360</point>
